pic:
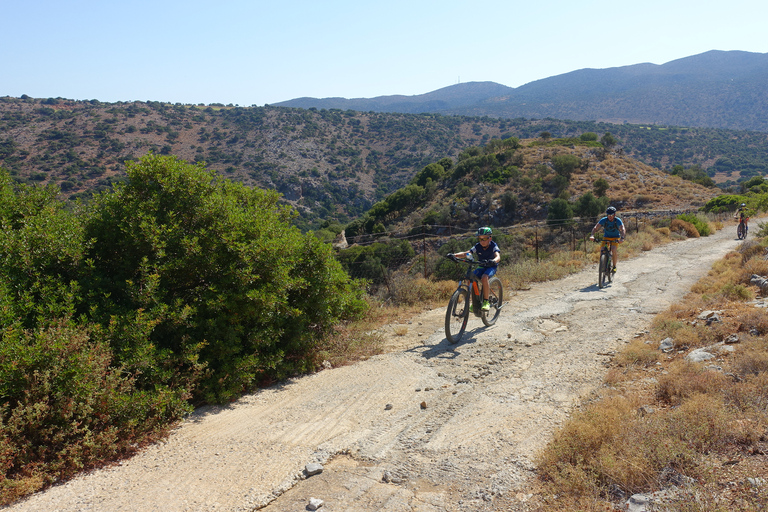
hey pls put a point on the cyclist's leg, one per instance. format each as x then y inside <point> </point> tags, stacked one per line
<point>485,285</point>
<point>614,253</point>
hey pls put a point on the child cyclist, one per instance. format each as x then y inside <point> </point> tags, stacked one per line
<point>743,216</point>
<point>613,228</point>
<point>488,254</point>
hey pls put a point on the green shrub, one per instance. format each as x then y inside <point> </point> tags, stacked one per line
<point>202,283</point>
<point>701,225</point>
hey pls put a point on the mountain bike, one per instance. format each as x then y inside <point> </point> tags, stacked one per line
<point>741,229</point>
<point>469,297</point>
<point>605,265</point>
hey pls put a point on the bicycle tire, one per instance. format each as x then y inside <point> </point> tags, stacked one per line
<point>496,299</point>
<point>740,231</point>
<point>604,272</point>
<point>457,315</point>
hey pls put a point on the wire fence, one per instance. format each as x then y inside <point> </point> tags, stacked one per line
<point>417,252</point>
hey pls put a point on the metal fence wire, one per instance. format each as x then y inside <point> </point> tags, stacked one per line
<point>417,253</point>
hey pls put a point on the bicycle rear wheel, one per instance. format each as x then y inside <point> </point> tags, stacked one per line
<point>604,270</point>
<point>496,299</point>
<point>457,315</point>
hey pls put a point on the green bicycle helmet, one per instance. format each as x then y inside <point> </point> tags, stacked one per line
<point>484,231</point>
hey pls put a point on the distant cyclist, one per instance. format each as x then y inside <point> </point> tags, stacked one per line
<point>487,252</point>
<point>613,228</point>
<point>743,216</point>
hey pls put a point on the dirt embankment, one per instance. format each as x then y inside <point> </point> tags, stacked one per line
<point>427,426</point>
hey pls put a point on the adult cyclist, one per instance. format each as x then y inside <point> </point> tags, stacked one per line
<point>613,228</point>
<point>743,216</point>
<point>487,253</point>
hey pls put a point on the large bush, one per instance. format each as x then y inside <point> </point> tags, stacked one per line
<point>175,288</point>
<point>203,283</point>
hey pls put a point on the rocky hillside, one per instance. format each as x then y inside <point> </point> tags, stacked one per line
<point>515,181</point>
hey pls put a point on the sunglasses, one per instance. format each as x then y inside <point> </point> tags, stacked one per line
<point>484,238</point>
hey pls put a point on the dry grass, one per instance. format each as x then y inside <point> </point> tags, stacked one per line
<point>706,422</point>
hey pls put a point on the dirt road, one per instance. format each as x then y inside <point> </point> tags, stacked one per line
<point>428,426</point>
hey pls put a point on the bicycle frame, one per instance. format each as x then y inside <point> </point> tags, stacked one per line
<point>473,285</point>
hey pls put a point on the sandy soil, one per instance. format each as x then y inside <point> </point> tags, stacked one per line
<point>428,426</point>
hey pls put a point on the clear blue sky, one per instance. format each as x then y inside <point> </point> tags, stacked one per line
<point>253,52</point>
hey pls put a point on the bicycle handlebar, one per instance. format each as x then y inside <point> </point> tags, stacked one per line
<point>480,263</point>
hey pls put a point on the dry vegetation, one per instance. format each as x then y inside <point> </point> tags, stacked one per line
<point>662,422</point>
<point>659,422</point>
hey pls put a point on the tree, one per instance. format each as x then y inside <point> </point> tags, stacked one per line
<point>564,165</point>
<point>600,186</point>
<point>608,140</point>
<point>560,212</point>
<point>435,172</point>
<point>590,206</point>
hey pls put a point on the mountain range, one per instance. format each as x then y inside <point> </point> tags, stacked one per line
<point>715,89</point>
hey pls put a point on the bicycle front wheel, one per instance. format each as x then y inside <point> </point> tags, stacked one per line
<point>495,299</point>
<point>741,232</point>
<point>457,315</point>
<point>604,270</point>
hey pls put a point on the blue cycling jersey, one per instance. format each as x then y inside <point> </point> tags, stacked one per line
<point>611,228</point>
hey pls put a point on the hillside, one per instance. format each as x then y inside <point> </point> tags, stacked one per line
<point>329,164</point>
<point>716,89</point>
<point>512,181</point>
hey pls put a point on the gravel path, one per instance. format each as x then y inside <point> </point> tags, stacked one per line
<point>429,426</point>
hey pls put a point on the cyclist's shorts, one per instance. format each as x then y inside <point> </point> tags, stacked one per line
<point>489,271</point>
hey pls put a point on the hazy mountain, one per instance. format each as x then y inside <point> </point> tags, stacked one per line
<point>442,100</point>
<point>717,89</point>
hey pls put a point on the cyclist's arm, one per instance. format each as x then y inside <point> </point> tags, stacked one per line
<point>623,231</point>
<point>597,226</point>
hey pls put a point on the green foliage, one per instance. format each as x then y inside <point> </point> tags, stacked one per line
<point>435,172</point>
<point>590,206</point>
<point>694,174</point>
<point>224,292</point>
<point>500,176</point>
<point>67,408</point>
<point>373,262</point>
<point>565,164</point>
<point>608,140</point>
<point>701,225</point>
<point>560,212</point>
<point>724,203</point>
<point>755,184</point>
<point>588,136</point>
<point>600,186</point>
<point>41,246</point>
<point>176,287</point>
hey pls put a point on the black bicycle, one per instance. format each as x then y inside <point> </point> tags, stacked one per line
<point>605,265</point>
<point>469,297</point>
<point>741,229</point>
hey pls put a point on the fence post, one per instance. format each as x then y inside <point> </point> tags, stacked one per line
<point>424,248</point>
